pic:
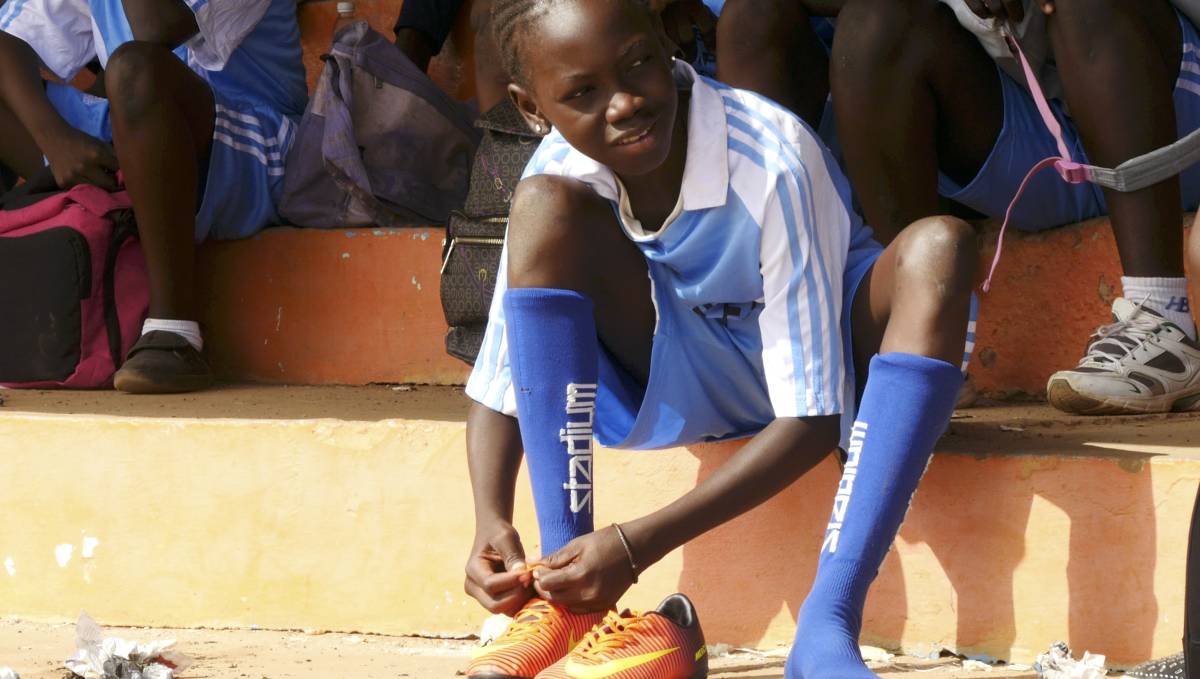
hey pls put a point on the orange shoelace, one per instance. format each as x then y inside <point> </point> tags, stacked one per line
<point>612,633</point>
<point>528,621</point>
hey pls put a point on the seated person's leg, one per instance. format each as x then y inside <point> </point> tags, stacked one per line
<point>909,321</point>
<point>423,27</point>
<point>491,82</point>
<point>1119,64</point>
<point>768,47</point>
<point>913,92</point>
<point>163,118</point>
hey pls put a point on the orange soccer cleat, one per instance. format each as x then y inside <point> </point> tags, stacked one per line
<point>540,634</point>
<point>663,644</point>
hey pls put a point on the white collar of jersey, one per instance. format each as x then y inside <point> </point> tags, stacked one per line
<point>706,171</point>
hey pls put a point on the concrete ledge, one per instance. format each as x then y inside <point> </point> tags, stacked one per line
<point>306,306</point>
<point>356,306</point>
<point>243,507</point>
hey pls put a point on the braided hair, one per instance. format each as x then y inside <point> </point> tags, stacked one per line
<point>512,21</point>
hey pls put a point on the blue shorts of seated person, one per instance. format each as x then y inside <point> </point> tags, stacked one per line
<point>1049,201</point>
<point>241,188</point>
<point>247,51</point>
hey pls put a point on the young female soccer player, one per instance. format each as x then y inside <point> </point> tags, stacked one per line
<point>683,264</point>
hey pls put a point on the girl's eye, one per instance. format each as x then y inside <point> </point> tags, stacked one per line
<point>583,91</point>
<point>640,62</point>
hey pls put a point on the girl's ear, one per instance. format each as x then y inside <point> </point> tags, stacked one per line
<point>528,108</point>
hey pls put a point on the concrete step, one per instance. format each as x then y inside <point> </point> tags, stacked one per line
<point>348,508</point>
<point>358,306</point>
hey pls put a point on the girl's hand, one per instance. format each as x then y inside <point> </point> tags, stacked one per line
<point>589,574</point>
<point>497,576</point>
<point>1004,10</point>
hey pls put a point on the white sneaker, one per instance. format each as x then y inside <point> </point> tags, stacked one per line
<point>1141,363</point>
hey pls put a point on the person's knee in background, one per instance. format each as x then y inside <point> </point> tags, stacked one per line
<point>768,47</point>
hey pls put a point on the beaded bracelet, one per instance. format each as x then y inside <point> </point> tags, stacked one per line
<point>628,551</point>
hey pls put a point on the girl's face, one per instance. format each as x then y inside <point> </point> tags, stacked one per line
<point>598,71</point>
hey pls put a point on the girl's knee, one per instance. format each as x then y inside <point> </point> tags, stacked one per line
<point>560,235</point>
<point>939,254</point>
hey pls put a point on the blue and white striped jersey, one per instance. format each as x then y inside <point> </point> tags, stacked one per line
<point>762,230</point>
<point>247,50</point>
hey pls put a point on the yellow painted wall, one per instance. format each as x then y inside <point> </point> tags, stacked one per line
<point>365,525</point>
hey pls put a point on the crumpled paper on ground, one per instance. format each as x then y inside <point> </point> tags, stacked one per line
<point>1057,663</point>
<point>93,651</point>
<point>8,672</point>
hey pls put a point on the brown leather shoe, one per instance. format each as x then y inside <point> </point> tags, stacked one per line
<point>163,363</point>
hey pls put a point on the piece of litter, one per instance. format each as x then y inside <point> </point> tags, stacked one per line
<point>100,657</point>
<point>781,652</point>
<point>492,628</point>
<point>403,387</point>
<point>8,672</point>
<point>976,666</point>
<point>720,650</point>
<point>1058,663</point>
<point>875,654</point>
<point>1009,427</point>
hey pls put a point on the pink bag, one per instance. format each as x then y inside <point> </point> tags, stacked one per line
<point>73,287</point>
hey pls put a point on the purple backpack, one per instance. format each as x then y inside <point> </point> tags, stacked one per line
<point>73,287</point>
<point>380,143</point>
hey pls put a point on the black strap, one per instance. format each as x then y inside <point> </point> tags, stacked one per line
<point>36,189</point>
<point>124,228</point>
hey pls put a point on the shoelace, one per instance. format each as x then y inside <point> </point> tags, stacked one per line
<point>1140,327</point>
<point>528,621</point>
<point>612,633</point>
<point>1071,171</point>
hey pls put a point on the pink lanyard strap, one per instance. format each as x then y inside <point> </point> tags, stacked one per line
<point>1068,169</point>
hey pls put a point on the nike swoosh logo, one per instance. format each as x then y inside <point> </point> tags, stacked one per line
<point>608,669</point>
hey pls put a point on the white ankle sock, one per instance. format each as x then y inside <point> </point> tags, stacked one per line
<point>189,330</point>
<point>1167,296</point>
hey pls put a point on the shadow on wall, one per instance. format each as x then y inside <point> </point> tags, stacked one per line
<point>974,520</point>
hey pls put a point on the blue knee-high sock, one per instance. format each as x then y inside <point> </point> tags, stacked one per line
<point>554,355</point>
<point>907,402</point>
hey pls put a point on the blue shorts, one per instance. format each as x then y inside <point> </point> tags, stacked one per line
<point>245,167</point>
<point>1024,141</point>
<point>673,409</point>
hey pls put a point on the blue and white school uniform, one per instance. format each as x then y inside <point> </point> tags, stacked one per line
<point>753,276</point>
<point>249,53</point>
<point>1024,140</point>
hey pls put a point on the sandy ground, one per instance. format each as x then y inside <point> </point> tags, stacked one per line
<point>36,651</point>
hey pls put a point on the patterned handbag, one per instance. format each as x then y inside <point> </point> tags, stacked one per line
<point>475,236</point>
